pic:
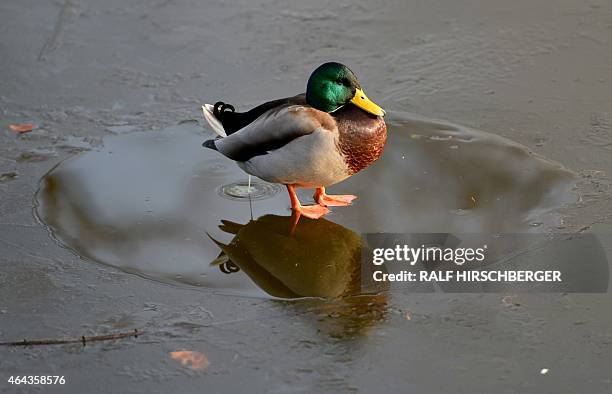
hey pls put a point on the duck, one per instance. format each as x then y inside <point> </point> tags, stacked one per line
<point>312,140</point>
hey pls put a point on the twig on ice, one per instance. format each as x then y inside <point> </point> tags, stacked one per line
<point>83,339</point>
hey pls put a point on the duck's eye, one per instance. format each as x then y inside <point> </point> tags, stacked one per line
<point>343,81</point>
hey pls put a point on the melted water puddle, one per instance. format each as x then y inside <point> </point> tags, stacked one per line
<point>161,206</point>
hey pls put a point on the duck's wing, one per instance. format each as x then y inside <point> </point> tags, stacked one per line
<point>225,121</point>
<point>272,130</point>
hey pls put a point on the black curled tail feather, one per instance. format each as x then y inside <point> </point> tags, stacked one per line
<point>220,109</point>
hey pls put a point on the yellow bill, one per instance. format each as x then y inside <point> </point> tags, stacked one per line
<point>363,102</point>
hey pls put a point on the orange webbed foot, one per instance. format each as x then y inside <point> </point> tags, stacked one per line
<point>310,211</point>
<point>326,200</point>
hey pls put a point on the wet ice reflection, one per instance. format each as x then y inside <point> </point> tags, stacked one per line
<point>146,202</point>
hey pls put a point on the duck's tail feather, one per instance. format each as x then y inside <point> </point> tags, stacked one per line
<point>209,114</point>
<point>210,144</point>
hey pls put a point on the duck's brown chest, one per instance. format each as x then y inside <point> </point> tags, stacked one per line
<point>362,137</point>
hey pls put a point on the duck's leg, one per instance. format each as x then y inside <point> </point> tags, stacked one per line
<point>310,211</point>
<point>326,200</point>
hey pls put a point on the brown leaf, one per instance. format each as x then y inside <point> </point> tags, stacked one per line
<point>192,359</point>
<point>22,127</point>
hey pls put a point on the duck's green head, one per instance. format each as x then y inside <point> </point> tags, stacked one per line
<point>333,85</point>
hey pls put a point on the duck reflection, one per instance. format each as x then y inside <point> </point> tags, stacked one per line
<point>317,258</point>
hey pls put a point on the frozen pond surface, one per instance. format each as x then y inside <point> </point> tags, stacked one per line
<point>91,73</point>
<point>150,202</point>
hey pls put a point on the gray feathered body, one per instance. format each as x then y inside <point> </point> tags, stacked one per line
<point>289,142</point>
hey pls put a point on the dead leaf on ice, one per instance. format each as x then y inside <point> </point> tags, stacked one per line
<point>22,127</point>
<point>192,359</point>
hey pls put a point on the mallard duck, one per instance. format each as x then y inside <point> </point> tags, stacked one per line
<point>312,140</point>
